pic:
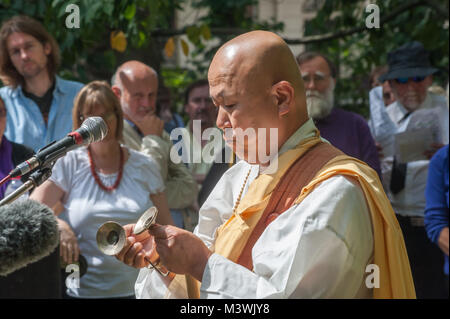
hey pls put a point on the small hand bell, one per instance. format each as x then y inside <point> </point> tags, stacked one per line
<point>111,237</point>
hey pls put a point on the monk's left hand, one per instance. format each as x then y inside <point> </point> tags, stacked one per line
<point>180,251</point>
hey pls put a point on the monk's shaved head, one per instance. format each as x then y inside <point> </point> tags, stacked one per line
<point>255,83</point>
<point>255,59</point>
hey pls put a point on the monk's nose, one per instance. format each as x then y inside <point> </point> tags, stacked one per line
<point>223,119</point>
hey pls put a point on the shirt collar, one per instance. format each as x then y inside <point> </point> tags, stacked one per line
<point>135,128</point>
<point>59,87</point>
<point>307,130</point>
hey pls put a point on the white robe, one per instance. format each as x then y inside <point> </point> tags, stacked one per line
<point>317,249</point>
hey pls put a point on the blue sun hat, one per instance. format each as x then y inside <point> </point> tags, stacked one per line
<point>410,60</point>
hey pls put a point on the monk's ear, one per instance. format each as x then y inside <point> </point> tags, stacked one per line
<point>283,94</point>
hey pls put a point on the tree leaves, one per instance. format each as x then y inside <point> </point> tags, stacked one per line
<point>185,47</point>
<point>206,32</point>
<point>118,41</point>
<point>169,48</point>
<point>359,53</point>
<point>130,11</point>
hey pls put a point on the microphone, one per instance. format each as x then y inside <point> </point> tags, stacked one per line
<point>28,233</point>
<point>93,129</point>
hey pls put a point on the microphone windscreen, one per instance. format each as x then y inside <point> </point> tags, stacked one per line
<point>28,232</point>
<point>96,127</point>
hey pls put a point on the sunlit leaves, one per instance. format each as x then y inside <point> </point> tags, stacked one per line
<point>184,47</point>
<point>118,41</point>
<point>169,48</point>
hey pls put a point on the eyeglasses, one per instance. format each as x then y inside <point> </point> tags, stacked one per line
<point>416,79</point>
<point>2,112</point>
<point>316,77</point>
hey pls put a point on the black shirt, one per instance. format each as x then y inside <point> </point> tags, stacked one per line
<point>44,102</point>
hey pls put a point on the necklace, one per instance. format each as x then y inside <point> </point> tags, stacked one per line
<point>97,178</point>
<point>240,193</point>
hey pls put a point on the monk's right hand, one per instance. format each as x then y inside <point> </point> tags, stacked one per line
<point>136,248</point>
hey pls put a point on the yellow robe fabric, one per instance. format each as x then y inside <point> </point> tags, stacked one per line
<point>389,252</point>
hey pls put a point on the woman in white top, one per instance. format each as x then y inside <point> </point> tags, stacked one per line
<point>101,182</point>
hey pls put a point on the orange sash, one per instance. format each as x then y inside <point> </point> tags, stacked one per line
<point>390,255</point>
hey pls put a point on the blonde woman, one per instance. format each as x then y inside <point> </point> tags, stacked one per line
<point>101,182</point>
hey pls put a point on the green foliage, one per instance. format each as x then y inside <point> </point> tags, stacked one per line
<point>231,14</point>
<point>227,13</point>
<point>224,14</point>
<point>357,55</point>
<point>177,80</point>
<point>86,51</point>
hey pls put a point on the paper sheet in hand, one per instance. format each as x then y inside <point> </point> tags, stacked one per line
<point>410,145</point>
<point>426,118</point>
<point>380,124</point>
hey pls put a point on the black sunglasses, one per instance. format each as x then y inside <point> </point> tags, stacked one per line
<point>416,79</point>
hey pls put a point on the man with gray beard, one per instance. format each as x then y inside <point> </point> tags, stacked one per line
<point>347,131</point>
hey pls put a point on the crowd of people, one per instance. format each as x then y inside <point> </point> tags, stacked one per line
<point>345,192</point>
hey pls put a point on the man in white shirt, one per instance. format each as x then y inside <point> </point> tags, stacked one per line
<point>248,246</point>
<point>410,76</point>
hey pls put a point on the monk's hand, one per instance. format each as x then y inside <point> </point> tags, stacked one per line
<point>137,248</point>
<point>180,251</point>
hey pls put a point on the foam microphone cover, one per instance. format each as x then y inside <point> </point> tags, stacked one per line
<point>28,233</point>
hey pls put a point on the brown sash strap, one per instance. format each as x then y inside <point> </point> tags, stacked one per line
<point>287,190</point>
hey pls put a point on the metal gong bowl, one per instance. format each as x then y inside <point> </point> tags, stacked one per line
<point>111,238</point>
<point>146,220</point>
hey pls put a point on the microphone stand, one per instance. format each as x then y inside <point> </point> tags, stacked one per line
<point>34,180</point>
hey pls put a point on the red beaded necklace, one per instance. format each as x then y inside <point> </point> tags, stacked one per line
<point>97,178</point>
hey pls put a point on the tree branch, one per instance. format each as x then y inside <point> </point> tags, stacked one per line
<point>384,19</point>
<point>214,31</point>
<point>441,10</point>
<point>322,37</point>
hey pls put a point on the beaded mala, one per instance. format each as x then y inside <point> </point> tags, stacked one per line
<point>240,193</point>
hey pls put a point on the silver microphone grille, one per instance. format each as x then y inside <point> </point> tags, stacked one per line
<point>96,127</point>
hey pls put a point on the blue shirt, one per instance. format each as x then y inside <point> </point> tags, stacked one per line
<point>436,193</point>
<point>25,123</point>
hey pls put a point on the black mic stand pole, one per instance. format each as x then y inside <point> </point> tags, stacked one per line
<point>35,179</point>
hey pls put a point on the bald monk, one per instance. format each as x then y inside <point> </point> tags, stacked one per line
<point>308,230</point>
<point>136,86</point>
